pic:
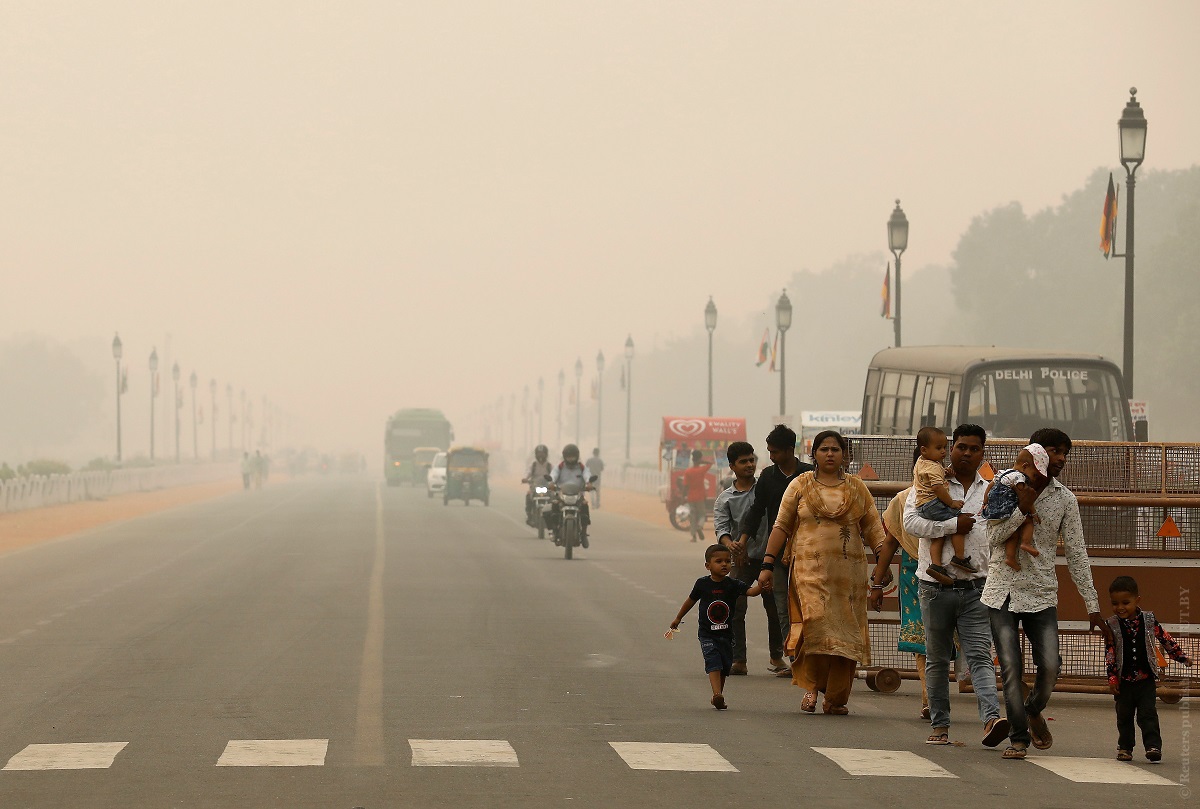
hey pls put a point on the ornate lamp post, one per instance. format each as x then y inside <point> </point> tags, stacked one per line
<point>118,351</point>
<point>153,395</point>
<point>175,379</point>
<point>599,394</point>
<point>578,397</point>
<point>195,438</point>
<point>1132,127</point>
<point>628,391</point>
<point>783,322</point>
<point>897,243</point>
<point>710,323</point>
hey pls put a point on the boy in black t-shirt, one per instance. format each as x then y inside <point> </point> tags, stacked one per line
<point>717,595</point>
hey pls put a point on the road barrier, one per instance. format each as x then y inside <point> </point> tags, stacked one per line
<point>20,494</point>
<point>635,479</point>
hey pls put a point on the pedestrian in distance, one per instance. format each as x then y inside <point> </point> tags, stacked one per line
<point>731,504</point>
<point>934,501</point>
<point>1133,663</point>
<point>1027,599</point>
<point>694,494</point>
<point>595,466</point>
<point>717,594</point>
<point>247,470</point>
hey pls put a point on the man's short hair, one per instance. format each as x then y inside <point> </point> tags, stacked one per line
<point>1123,584</point>
<point>969,430</point>
<point>713,550</point>
<point>697,456</point>
<point>1051,437</point>
<point>926,435</point>
<point>782,437</point>
<point>738,450</point>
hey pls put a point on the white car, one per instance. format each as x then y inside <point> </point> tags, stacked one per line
<point>435,478</point>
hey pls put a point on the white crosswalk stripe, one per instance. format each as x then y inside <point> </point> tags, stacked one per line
<point>1098,771</point>
<point>274,753</point>
<point>883,762</point>
<point>675,757</point>
<point>73,756</point>
<point>462,753</point>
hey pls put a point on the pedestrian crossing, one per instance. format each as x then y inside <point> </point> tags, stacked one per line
<point>646,756</point>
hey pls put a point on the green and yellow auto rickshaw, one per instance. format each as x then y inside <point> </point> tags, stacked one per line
<point>466,475</point>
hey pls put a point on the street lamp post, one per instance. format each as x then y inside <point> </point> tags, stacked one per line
<point>175,379</point>
<point>897,243</point>
<point>541,399</point>
<point>153,395</point>
<point>783,322</point>
<point>710,323</point>
<point>525,416</point>
<point>562,379</point>
<point>628,391</point>
<point>195,438</point>
<point>578,397</point>
<point>212,388</point>
<point>1132,127</point>
<point>245,421</point>
<point>229,404</point>
<point>599,394</point>
<point>117,352</point>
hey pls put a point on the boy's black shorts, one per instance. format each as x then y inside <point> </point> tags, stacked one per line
<point>718,654</point>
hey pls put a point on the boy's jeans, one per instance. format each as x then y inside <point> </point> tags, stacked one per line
<point>943,611</point>
<point>1041,628</point>
<point>1137,699</point>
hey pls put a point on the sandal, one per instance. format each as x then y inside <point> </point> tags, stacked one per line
<point>1153,754</point>
<point>1124,755</point>
<point>925,713</point>
<point>718,702</point>
<point>1039,731</point>
<point>1012,752</point>
<point>994,731</point>
<point>939,736</point>
<point>809,703</point>
<point>834,710</point>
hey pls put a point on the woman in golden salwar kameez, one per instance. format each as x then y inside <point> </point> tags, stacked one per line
<point>824,519</point>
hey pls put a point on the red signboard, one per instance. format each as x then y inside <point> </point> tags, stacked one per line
<point>700,430</point>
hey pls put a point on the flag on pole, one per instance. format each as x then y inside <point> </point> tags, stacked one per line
<point>1108,220</point>
<point>886,311</point>
<point>774,352</point>
<point>764,348</point>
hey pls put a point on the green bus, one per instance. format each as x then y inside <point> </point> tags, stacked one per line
<point>406,431</point>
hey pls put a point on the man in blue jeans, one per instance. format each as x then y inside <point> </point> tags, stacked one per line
<point>949,607</point>
<point>1028,598</point>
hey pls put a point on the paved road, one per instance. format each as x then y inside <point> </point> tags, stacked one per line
<point>321,643</point>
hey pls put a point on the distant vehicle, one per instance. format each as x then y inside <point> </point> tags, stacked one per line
<point>422,459</point>
<point>466,476</point>
<point>406,430</point>
<point>682,435</point>
<point>1010,392</point>
<point>435,478</point>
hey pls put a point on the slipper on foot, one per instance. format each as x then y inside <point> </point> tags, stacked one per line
<point>718,702</point>
<point>995,731</point>
<point>939,737</point>
<point>1011,752</point>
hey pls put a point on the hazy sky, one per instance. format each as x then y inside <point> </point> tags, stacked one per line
<point>355,206</point>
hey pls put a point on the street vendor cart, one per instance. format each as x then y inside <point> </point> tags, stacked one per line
<point>680,437</point>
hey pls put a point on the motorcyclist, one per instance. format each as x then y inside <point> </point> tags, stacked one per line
<point>538,470</point>
<point>572,471</point>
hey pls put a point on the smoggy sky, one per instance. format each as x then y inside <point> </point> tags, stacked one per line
<point>356,206</point>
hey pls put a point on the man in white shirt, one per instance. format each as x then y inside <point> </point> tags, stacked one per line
<point>947,607</point>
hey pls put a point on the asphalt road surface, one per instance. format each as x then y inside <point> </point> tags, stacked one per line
<point>336,643</point>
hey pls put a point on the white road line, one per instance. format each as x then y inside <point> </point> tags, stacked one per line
<point>883,762</point>
<point>77,756</point>
<point>673,757</point>
<point>462,753</point>
<point>274,753</point>
<point>1098,771</point>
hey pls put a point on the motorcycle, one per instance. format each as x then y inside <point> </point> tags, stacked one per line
<point>541,504</point>
<point>569,529</point>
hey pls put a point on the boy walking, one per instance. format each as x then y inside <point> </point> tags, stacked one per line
<point>717,595</point>
<point>1131,674</point>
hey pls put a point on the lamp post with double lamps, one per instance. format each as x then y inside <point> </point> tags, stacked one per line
<point>897,243</point>
<point>578,397</point>
<point>175,379</point>
<point>628,391</point>
<point>1132,127</point>
<point>118,351</point>
<point>783,322</point>
<point>710,323</point>
<point>153,395</point>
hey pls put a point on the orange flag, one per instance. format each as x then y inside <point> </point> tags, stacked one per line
<point>1108,220</point>
<point>886,311</point>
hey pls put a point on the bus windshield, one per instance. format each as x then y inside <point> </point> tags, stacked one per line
<point>1013,399</point>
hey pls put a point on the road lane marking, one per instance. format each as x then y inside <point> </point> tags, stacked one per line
<point>462,753</point>
<point>368,725</point>
<point>1098,771</point>
<point>76,756</point>
<point>274,753</point>
<point>883,762</point>
<point>674,757</point>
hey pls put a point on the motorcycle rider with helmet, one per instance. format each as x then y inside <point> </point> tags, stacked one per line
<point>538,470</point>
<point>571,471</point>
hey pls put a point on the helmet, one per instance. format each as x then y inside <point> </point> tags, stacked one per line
<point>541,452</point>
<point>570,453</point>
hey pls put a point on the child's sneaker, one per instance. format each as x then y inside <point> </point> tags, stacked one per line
<point>1153,754</point>
<point>940,574</point>
<point>963,564</point>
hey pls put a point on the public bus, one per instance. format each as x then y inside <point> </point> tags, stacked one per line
<point>406,431</point>
<point>1010,392</point>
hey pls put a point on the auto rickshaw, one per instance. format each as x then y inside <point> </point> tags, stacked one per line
<point>680,436</point>
<point>422,460</point>
<point>466,476</point>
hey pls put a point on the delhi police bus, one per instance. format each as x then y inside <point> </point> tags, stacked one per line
<point>407,430</point>
<point>1011,392</point>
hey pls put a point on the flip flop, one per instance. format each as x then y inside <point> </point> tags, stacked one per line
<point>939,737</point>
<point>718,702</point>
<point>1039,731</point>
<point>1124,755</point>
<point>995,732</point>
<point>809,703</point>
<point>1011,752</point>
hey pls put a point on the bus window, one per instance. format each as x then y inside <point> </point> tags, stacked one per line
<point>904,403</point>
<point>887,403</point>
<point>1077,400</point>
<point>871,399</point>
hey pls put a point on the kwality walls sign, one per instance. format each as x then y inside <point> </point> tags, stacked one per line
<point>699,428</point>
